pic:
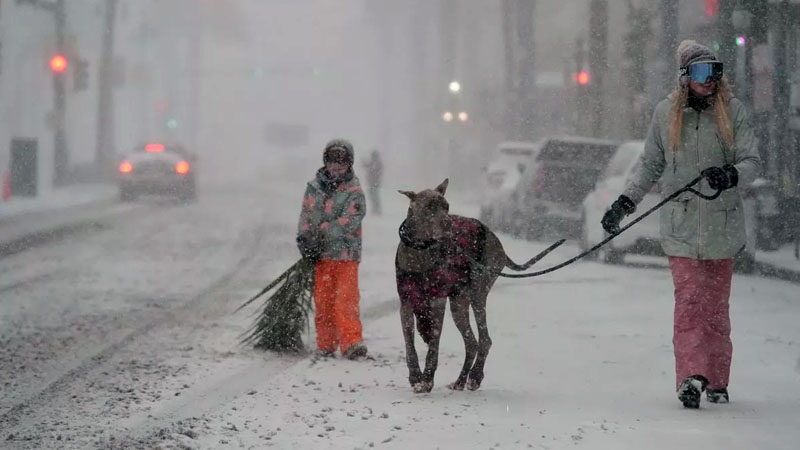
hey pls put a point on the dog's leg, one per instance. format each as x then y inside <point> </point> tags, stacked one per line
<point>432,358</point>
<point>484,341</point>
<point>459,308</point>
<point>412,361</point>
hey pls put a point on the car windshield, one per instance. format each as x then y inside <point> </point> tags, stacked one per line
<point>567,171</point>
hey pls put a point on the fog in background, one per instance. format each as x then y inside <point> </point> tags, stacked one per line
<point>252,86</point>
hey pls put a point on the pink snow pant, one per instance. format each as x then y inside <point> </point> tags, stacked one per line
<point>702,327</point>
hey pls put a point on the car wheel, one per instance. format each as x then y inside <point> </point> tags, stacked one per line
<point>583,243</point>
<point>189,195</point>
<point>127,194</point>
<point>613,256</point>
<point>766,238</point>
<point>516,226</point>
<point>484,216</point>
<point>744,263</point>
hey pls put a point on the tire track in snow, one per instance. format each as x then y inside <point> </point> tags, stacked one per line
<point>229,387</point>
<point>12,416</point>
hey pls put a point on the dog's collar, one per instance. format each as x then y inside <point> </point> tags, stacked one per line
<point>414,244</point>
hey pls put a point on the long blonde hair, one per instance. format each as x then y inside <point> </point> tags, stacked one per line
<point>719,101</point>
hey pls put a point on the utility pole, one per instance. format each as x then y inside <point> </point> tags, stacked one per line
<point>105,86</point>
<point>60,150</point>
<point>582,79</point>
<point>510,55</point>
<point>527,67</point>
<point>448,33</point>
<point>635,67</point>
<point>196,45</point>
<point>782,92</point>
<point>726,36</point>
<point>669,44</point>
<point>598,60</point>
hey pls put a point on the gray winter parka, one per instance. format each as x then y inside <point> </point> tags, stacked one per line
<point>690,226</point>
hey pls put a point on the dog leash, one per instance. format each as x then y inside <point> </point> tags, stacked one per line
<point>687,188</point>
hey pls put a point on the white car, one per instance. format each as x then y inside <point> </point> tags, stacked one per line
<point>501,177</point>
<point>644,237</point>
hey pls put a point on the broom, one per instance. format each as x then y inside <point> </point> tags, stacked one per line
<point>285,314</point>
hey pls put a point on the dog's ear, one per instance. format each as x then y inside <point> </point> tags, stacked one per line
<point>443,187</point>
<point>410,194</point>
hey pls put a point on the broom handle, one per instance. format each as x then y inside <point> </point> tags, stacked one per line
<point>271,285</point>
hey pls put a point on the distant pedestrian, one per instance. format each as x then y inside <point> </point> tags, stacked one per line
<point>374,168</point>
<point>699,129</point>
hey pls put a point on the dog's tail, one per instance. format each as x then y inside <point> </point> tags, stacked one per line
<point>519,267</point>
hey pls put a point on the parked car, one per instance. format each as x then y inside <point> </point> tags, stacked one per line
<point>501,177</point>
<point>550,193</point>
<point>156,168</point>
<point>643,238</point>
<point>770,233</point>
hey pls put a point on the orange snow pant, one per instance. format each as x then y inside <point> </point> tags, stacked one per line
<point>336,297</point>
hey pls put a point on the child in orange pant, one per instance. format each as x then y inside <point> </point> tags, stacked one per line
<point>329,232</point>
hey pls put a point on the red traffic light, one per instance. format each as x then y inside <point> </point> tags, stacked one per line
<point>58,64</point>
<point>582,78</point>
<point>712,7</point>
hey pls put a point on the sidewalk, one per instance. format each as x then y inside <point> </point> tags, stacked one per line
<point>58,199</point>
<point>26,221</point>
<point>783,258</point>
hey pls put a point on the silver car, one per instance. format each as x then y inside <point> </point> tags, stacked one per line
<point>159,169</point>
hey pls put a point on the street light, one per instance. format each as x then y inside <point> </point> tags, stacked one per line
<point>455,87</point>
<point>463,116</point>
<point>447,116</point>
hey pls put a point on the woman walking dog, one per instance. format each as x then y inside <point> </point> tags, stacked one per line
<point>699,129</point>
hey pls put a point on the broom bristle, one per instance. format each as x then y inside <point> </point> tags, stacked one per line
<point>284,317</point>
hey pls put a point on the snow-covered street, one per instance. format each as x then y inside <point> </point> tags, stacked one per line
<point>161,162</point>
<point>124,337</point>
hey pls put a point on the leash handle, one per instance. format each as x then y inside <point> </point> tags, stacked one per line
<point>687,188</point>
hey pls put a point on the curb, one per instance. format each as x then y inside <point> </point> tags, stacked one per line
<point>36,228</point>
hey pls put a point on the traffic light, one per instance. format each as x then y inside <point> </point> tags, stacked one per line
<point>582,78</point>
<point>58,64</point>
<point>80,77</point>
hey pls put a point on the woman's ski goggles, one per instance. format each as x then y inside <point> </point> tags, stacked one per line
<point>701,72</point>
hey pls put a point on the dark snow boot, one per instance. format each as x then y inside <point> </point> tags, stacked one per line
<point>690,391</point>
<point>356,351</point>
<point>717,395</point>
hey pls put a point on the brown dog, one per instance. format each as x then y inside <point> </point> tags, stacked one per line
<point>439,256</point>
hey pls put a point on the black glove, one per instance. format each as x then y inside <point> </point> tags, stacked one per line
<point>310,245</point>
<point>619,209</point>
<point>722,178</point>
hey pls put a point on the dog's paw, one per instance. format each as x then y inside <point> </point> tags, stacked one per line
<point>422,387</point>
<point>473,385</point>
<point>456,386</point>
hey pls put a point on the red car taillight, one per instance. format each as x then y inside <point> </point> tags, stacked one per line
<point>125,167</point>
<point>182,167</point>
<point>656,189</point>
<point>539,185</point>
